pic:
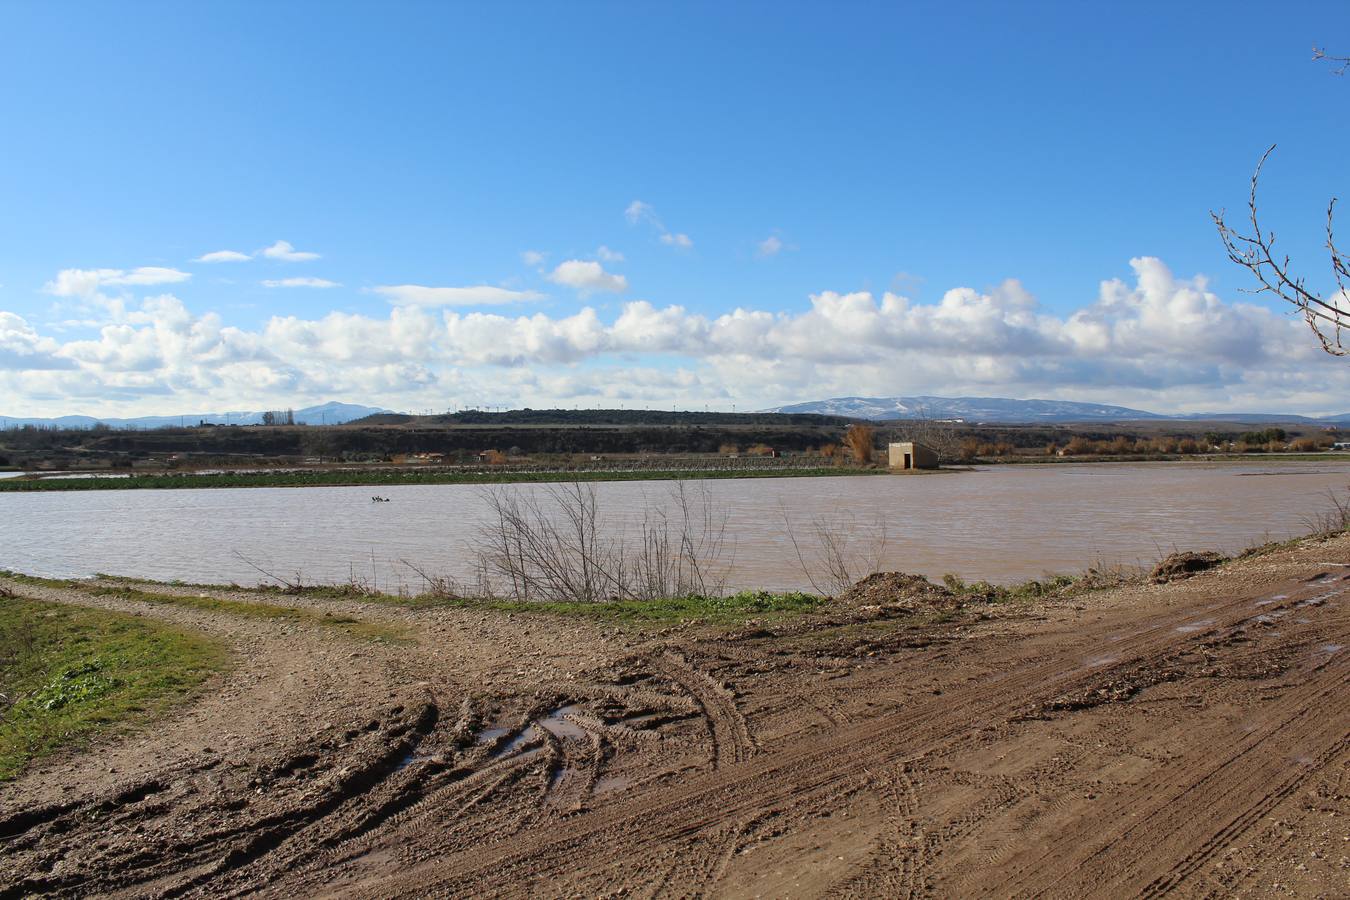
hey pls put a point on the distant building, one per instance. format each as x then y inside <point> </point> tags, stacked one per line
<point>1341,445</point>
<point>912,455</point>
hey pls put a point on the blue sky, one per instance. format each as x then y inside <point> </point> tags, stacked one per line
<point>794,162</point>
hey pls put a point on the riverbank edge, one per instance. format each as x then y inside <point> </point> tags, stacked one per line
<point>375,478</point>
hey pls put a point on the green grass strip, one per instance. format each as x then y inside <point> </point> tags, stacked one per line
<point>731,609</point>
<point>247,609</point>
<point>69,674</point>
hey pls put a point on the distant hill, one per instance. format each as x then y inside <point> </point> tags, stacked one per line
<point>1002,410</point>
<point>331,413</point>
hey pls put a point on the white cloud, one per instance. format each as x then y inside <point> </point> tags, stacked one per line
<point>220,256</point>
<point>607,255</point>
<point>283,251</point>
<point>300,282</point>
<point>477,295</point>
<point>587,276</point>
<point>533,257</point>
<point>770,246</point>
<point>1155,341</point>
<point>639,212</point>
<point>86,282</point>
<point>21,347</point>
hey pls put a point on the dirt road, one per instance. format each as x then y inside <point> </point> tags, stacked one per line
<point>1190,738</point>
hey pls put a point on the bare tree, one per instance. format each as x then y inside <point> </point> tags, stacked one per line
<point>938,435</point>
<point>1328,317</point>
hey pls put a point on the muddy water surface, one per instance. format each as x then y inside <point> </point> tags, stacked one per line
<point>1002,523</point>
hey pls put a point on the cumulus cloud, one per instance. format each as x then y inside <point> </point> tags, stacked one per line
<point>681,241</point>
<point>86,282</point>
<point>21,347</point>
<point>587,276</point>
<point>533,257</point>
<point>283,251</point>
<point>607,255</point>
<point>477,295</point>
<point>1154,341</point>
<point>770,246</point>
<point>220,256</point>
<point>300,282</point>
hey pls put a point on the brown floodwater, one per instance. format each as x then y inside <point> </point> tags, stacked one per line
<point>1000,523</point>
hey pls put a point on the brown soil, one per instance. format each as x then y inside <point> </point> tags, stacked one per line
<point>1189,738</point>
<point>892,589</point>
<point>1185,564</point>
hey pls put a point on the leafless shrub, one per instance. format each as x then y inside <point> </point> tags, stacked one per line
<point>294,584</point>
<point>1333,519</point>
<point>552,545</point>
<point>439,586</point>
<point>834,555</point>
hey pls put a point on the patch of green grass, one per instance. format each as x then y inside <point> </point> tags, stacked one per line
<point>720,609</point>
<point>247,609</point>
<point>724,610</point>
<point>251,610</point>
<point>36,580</point>
<point>376,477</point>
<point>1058,587</point>
<point>69,674</point>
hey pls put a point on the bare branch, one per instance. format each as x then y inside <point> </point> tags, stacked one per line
<point>1328,317</point>
<point>1319,54</point>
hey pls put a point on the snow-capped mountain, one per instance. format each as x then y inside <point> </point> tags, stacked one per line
<point>1004,410</point>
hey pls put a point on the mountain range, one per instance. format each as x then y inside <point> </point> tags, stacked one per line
<point>1002,410</point>
<point>332,413</point>
<point>991,410</point>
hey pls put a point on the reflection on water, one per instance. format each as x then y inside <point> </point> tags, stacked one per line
<point>1001,523</point>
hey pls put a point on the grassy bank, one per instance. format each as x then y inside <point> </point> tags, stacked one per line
<point>69,674</point>
<point>380,478</point>
<point>715,610</point>
<point>272,612</point>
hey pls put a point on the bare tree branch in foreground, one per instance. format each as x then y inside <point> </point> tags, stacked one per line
<point>1319,53</point>
<point>1328,317</point>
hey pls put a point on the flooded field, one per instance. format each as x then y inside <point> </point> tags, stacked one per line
<point>1002,523</point>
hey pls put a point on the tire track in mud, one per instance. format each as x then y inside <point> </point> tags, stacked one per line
<point>1232,787</point>
<point>899,860</point>
<point>780,781</point>
<point>730,733</point>
<point>230,844</point>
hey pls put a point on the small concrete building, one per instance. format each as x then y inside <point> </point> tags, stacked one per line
<point>911,455</point>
